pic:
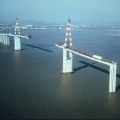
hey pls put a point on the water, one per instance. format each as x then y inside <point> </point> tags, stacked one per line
<point>31,85</point>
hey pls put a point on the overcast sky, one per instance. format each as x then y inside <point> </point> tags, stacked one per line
<point>82,11</point>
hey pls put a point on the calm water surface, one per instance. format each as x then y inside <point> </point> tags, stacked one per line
<point>31,85</point>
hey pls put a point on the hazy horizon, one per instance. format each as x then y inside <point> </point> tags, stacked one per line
<point>79,11</point>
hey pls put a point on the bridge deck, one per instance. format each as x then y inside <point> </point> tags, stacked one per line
<point>20,36</point>
<point>89,56</point>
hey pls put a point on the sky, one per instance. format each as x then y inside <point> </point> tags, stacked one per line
<point>82,11</point>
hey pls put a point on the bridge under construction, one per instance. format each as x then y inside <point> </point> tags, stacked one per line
<point>4,38</point>
<point>68,59</point>
<point>67,53</point>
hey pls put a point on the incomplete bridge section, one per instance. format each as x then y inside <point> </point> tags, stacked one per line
<point>68,59</point>
<point>4,38</point>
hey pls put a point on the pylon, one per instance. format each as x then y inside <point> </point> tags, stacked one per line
<point>68,35</point>
<point>67,55</point>
<point>17,27</point>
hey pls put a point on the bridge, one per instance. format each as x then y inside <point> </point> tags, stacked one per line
<point>68,59</point>
<point>4,38</point>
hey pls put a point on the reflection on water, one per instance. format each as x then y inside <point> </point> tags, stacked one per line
<point>66,87</point>
<point>17,55</point>
<point>111,107</point>
<point>112,99</point>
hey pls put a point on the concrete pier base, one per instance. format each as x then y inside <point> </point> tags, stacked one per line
<point>17,43</point>
<point>8,41</point>
<point>0,38</point>
<point>4,39</point>
<point>112,78</point>
<point>67,61</point>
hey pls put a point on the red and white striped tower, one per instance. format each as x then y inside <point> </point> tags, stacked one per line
<point>17,27</point>
<point>68,35</point>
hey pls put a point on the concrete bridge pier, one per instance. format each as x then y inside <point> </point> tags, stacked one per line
<point>17,43</point>
<point>67,61</point>
<point>8,40</point>
<point>0,38</point>
<point>112,78</point>
<point>4,39</point>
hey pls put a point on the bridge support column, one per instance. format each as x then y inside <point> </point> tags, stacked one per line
<point>17,43</point>
<point>112,78</point>
<point>4,39</point>
<point>67,61</point>
<point>8,41</point>
<point>0,38</point>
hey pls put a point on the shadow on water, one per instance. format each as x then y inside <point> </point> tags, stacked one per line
<point>86,64</point>
<point>37,47</point>
<point>118,88</point>
<point>34,46</point>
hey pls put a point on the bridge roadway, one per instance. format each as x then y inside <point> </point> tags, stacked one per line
<point>20,36</point>
<point>67,64</point>
<point>86,55</point>
<point>4,38</point>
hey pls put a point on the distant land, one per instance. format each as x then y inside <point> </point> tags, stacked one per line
<point>54,25</point>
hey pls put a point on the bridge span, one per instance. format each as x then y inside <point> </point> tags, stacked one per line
<point>87,55</point>
<point>67,64</point>
<point>4,38</point>
<point>68,59</point>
